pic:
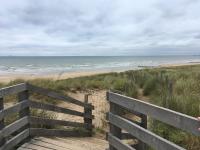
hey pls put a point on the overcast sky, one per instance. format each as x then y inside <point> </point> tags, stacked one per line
<point>99,27</point>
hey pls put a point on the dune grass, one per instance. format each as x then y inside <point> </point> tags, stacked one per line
<point>176,88</point>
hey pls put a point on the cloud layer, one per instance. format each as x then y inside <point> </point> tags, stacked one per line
<point>99,27</point>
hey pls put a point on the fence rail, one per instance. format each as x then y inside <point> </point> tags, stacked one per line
<point>25,126</point>
<point>118,123</point>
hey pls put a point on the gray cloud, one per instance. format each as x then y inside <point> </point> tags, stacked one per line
<point>99,27</point>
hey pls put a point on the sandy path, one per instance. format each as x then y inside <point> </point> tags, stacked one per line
<point>98,100</point>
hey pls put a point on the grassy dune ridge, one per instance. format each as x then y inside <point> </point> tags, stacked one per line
<point>176,88</point>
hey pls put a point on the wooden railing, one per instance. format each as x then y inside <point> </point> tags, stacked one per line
<point>120,105</point>
<point>22,129</point>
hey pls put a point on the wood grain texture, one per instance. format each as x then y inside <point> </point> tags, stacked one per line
<point>54,108</point>
<point>56,133</point>
<point>15,140</point>
<point>118,144</point>
<point>37,120</point>
<point>176,119</point>
<point>12,89</point>
<point>142,134</point>
<point>13,127</point>
<point>55,95</point>
<point>14,109</point>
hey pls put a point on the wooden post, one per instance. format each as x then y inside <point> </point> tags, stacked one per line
<point>24,96</point>
<point>114,130</point>
<point>88,112</point>
<point>2,125</point>
<point>142,145</point>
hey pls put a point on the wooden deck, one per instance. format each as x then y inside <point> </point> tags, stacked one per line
<point>44,143</point>
<point>75,135</point>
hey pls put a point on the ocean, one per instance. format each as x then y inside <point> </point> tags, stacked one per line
<point>59,64</point>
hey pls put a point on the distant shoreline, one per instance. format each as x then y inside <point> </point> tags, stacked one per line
<point>5,78</point>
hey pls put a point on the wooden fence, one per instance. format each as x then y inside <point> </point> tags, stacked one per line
<point>137,128</point>
<point>23,128</point>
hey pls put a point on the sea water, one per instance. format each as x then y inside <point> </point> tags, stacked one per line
<point>57,64</point>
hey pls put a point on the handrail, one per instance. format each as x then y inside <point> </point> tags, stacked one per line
<point>13,89</point>
<point>22,128</point>
<point>176,119</point>
<point>56,95</point>
<point>118,123</point>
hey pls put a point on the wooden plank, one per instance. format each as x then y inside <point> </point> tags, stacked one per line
<point>12,89</point>
<point>142,134</point>
<point>13,127</point>
<point>115,130</point>
<point>56,133</point>
<point>176,119</point>
<point>141,145</point>
<point>37,120</point>
<point>29,146</point>
<point>14,109</point>
<point>88,112</point>
<point>54,108</point>
<point>126,136</point>
<point>54,141</point>
<point>46,145</point>
<point>118,144</point>
<point>15,140</point>
<point>21,148</point>
<point>2,125</point>
<point>23,96</point>
<point>55,95</point>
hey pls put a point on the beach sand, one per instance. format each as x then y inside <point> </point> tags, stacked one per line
<point>7,78</point>
<point>59,76</point>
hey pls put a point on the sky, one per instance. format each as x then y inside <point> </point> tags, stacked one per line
<point>99,27</point>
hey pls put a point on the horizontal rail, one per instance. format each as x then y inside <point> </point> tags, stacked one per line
<point>13,127</point>
<point>14,109</point>
<point>12,89</point>
<point>142,134</point>
<point>15,140</point>
<point>56,132</point>
<point>37,120</point>
<point>176,119</point>
<point>55,95</point>
<point>126,136</point>
<point>118,144</point>
<point>54,108</point>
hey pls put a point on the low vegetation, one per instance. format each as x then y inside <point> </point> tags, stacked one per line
<point>176,88</point>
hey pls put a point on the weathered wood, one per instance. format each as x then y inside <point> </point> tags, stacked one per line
<point>56,133</point>
<point>176,119</point>
<point>23,96</point>
<point>28,146</point>
<point>115,130</point>
<point>14,109</point>
<point>55,95</point>
<point>15,140</point>
<point>12,89</point>
<point>46,145</point>
<point>88,112</point>
<point>126,136</point>
<point>13,127</point>
<point>118,144</point>
<point>54,108</point>
<point>142,134</point>
<point>141,145</point>
<point>2,140</point>
<point>37,120</point>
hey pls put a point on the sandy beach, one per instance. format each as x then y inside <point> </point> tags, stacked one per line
<point>5,78</point>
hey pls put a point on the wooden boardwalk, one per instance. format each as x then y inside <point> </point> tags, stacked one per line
<point>44,143</point>
<point>29,132</point>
